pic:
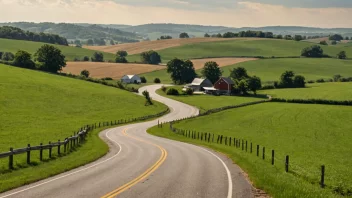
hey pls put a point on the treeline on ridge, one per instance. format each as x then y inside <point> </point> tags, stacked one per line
<point>9,32</point>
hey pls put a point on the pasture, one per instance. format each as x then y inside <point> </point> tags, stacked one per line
<point>312,135</point>
<point>8,45</point>
<point>36,107</point>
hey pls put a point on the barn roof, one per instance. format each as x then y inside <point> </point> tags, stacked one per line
<point>228,80</point>
<point>198,81</point>
<point>130,76</point>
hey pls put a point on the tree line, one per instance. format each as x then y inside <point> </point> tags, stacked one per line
<point>19,34</point>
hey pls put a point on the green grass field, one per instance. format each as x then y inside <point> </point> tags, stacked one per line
<point>312,135</point>
<point>329,91</point>
<point>206,102</point>
<point>243,47</point>
<point>36,107</point>
<point>7,45</point>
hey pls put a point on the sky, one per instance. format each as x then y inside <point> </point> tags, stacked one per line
<point>232,13</point>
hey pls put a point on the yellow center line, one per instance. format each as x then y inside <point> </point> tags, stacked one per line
<point>144,174</point>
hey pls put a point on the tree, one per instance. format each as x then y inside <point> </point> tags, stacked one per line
<point>98,57</point>
<point>165,37</point>
<point>1,53</point>
<point>90,42</point>
<point>77,42</point>
<point>229,35</point>
<point>112,42</point>
<point>323,43</point>
<point>269,35</point>
<point>121,53</point>
<point>254,83</point>
<point>51,58</point>
<point>288,37</point>
<point>7,56</point>
<point>143,79</point>
<point>147,97</point>
<point>239,73</point>
<point>85,73</point>
<point>181,71</point>
<point>157,80</point>
<point>85,58</point>
<point>120,59</point>
<point>347,38</point>
<point>314,51</point>
<point>219,35</point>
<point>184,35</point>
<point>242,86</point>
<point>298,37</point>
<point>335,37</point>
<point>23,59</point>
<point>333,42</point>
<point>299,81</point>
<point>150,57</point>
<point>342,55</point>
<point>279,36</point>
<point>211,71</point>
<point>206,35</point>
<point>337,77</point>
<point>286,79</point>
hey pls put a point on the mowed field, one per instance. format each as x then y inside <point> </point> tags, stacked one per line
<point>9,45</point>
<point>311,69</point>
<point>137,48</point>
<point>36,107</point>
<point>312,135</point>
<point>112,70</point>
<point>328,91</point>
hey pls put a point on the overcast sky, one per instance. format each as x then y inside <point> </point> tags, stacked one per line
<point>234,13</point>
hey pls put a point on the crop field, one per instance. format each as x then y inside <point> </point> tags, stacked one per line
<point>36,107</point>
<point>312,135</point>
<point>328,91</point>
<point>112,70</point>
<point>137,48</point>
<point>206,102</point>
<point>8,45</point>
<point>311,69</point>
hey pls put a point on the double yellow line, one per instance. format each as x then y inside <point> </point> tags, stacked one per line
<point>143,175</point>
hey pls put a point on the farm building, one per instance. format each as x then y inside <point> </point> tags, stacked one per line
<point>224,85</point>
<point>198,84</point>
<point>131,79</point>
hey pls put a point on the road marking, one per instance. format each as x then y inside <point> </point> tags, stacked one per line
<point>26,189</point>
<point>144,175</point>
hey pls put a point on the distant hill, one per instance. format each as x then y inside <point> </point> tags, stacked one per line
<point>80,32</point>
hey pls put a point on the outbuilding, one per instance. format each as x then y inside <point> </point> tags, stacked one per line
<point>128,79</point>
<point>224,85</point>
<point>199,84</point>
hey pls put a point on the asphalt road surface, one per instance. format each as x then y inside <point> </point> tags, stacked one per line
<point>142,165</point>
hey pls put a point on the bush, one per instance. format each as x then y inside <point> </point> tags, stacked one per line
<point>150,57</point>
<point>86,58</point>
<point>7,56</point>
<point>107,78</point>
<point>342,55</point>
<point>268,87</point>
<point>333,42</point>
<point>143,79</point>
<point>189,91</point>
<point>85,73</point>
<point>121,59</point>
<point>311,81</point>
<point>157,80</point>
<point>314,51</point>
<point>323,43</point>
<point>320,81</point>
<point>313,101</point>
<point>98,57</point>
<point>173,92</point>
<point>337,77</point>
<point>163,88</point>
<point>76,59</point>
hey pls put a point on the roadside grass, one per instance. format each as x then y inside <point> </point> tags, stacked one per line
<point>310,68</point>
<point>329,91</point>
<point>36,107</point>
<point>207,102</point>
<point>312,135</point>
<point>9,45</point>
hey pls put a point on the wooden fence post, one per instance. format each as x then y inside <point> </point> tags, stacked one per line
<point>50,150</point>
<point>41,152</point>
<point>287,163</point>
<point>28,154</point>
<point>65,143</point>
<point>263,153</point>
<point>225,140</point>
<point>230,142</point>
<point>242,145</point>
<point>58,148</point>
<point>246,145</point>
<point>213,137</point>
<point>257,150</point>
<point>322,179</point>
<point>11,159</point>
<point>272,157</point>
<point>251,147</point>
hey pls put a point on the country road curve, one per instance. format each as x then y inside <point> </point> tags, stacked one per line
<point>142,165</point>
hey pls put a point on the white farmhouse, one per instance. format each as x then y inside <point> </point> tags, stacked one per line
<point>128,79</point>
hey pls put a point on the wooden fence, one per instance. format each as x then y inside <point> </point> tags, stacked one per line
<point>69,143</point>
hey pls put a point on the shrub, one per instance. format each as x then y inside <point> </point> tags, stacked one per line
<point>314,51</point>
<point>157,80</point>
<point>323,43</point>
<point>7,56</point>
<point>189,91</point>
<point>172,91</point>
<point>107,78</point>
<point>23,59</point>
<point>98,57</point>
<point>86,58</point>
<point>85,73</point>
<point>121,53</point>
<point>299,81</point>
<point>1,53</point>
<point>121,59</point>
<point>76,59</point>
<point>163,88</point>
<point>320,81</point>
<point>147,97</point>
<point>120,85</point>
<point>268,87</point>
<point>342,55</point>
<point>143,79</point>
<point>333,42</point>
<point>311,81</point>
<point>150,57</point>
<point>337,77</point>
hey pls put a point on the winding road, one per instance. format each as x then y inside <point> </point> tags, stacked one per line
<point>142,165</point>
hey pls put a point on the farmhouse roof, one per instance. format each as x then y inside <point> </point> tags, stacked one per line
<point>130,76</point>
<point>228,80</point>
<point>198,81</point>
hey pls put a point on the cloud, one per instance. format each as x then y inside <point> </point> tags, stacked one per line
<point>243,13</point>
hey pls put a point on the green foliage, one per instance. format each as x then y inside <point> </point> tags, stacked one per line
<point>335,37</point>
<point>18,34</point>
<point>112,42</point>
<point>238,73</point>
<point>98,57</point>
<point>342,55</point>
<point>299,81</point>
<point>85,73</point>
<point>157,80</point>
<point>229,35</point>
<point>337,77</point>
<point>165,37</point>
<point>254,84</point>
<point>23,59</point>
<point>90,42</point>
<point>314,101</point>
<point>163,88</point>
<point>286,79</point>
<point>211,71</point>
<point>288,37</point>
<point>143,79</point>
<point>189,91</point>
<point>298,37</point>
<point>184,35</point>
<point>85,58</point>
<point>147,97</point>
<point>314,51</point>
<point>279,36</point>
<point>99,42</point>
<point>173,92</point>
<point>121,59</point>
<point>7,56</point>
<point>181,71</point>
<point>121,53</point>
<point>206,35</point>
<point>51,58</point>
<point>333,42</point>
<point>150,57</point>
<point>323,43</point>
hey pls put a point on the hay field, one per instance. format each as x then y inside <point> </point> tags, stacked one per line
<point>112,70</point>
<point>136,48</point>
<point>222,62</point>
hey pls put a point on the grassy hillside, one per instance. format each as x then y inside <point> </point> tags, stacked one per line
<point>244,47</point>
<point>36,107</point>
<point>7,45</point>
<point>312,135</point>
<point>329,91</point>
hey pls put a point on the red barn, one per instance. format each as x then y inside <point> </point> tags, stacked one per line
<point>224,85</point>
